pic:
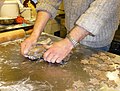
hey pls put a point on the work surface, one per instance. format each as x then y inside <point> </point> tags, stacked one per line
<point>86,70</point>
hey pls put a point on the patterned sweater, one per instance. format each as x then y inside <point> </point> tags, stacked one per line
<point>99,17</point>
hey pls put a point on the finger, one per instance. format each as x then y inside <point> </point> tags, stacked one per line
<point>59,60</point>
<point>27,48</point>
<point>49,57</point>
<point>46,55</point>
<point>53,60</point>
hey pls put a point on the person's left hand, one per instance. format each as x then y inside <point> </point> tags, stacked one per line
<point>58,51</point>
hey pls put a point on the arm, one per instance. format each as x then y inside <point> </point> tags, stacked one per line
<point>46,9</point>
<point>41,21</point>
<point>90,23</point>
<point>45,12</point>
<point>39,25</point>
<point>95,18</point>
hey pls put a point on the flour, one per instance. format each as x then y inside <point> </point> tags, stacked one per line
<point>26,85</point>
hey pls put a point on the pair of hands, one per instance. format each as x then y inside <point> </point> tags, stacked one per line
<point>55,53</point>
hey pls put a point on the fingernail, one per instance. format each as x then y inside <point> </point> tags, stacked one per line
<point>25,52</point>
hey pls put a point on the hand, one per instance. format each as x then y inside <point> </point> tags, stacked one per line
<point>58,51</point>
<point>27,44</point>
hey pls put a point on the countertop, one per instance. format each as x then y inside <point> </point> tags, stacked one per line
<point>86,70</point>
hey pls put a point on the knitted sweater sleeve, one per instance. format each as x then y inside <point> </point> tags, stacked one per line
<point>49,6</point>
<point>98,14</point>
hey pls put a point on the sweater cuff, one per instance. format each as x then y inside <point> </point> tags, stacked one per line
<point>90,22</point>
<point>48,8</point>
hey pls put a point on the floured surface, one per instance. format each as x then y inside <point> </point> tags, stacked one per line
<point>81,73</point>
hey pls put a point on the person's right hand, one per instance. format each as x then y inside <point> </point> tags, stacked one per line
<point>27,44</point>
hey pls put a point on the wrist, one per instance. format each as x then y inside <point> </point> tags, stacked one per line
<point>33,38</point>
<point>35,34</point>
<point>72,40</point>
<point>70,45</point>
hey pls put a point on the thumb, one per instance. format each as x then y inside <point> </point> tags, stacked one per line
<point>47,46</point>
<point>27,49</point>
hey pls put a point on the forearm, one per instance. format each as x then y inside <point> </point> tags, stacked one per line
<point>76,34</point>
<point>41,21</point>
<point>50,6</point>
